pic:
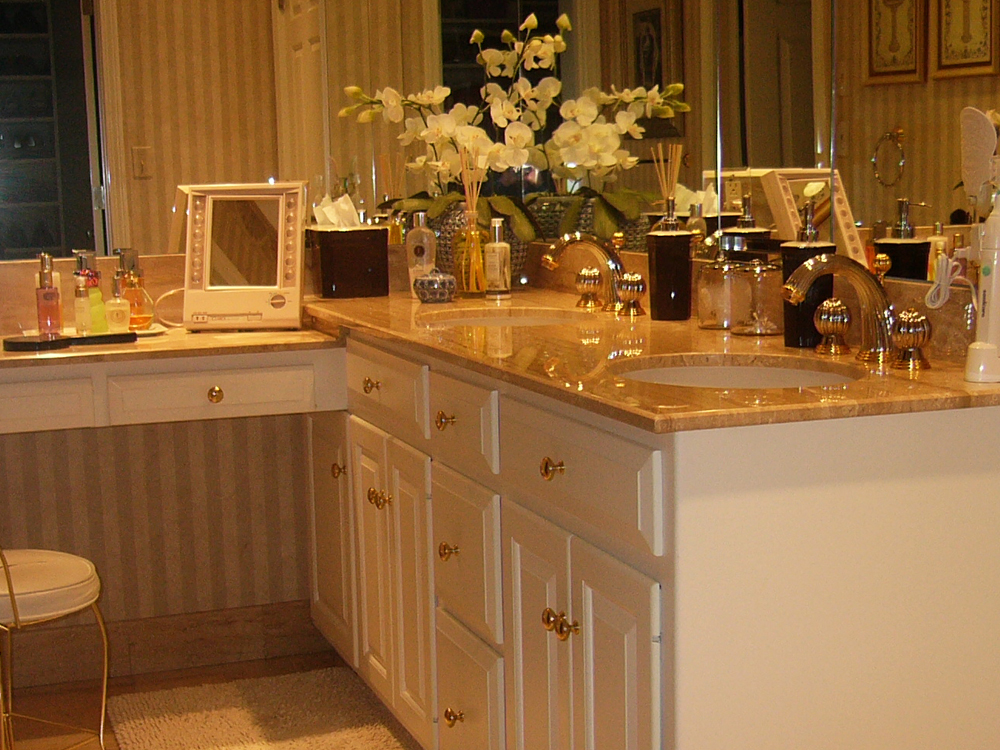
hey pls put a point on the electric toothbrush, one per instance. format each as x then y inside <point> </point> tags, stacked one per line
<point>982,362</point>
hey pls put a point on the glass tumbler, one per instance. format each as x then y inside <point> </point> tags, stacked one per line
<point>760,313</point>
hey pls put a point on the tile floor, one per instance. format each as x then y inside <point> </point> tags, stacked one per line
<point>79,703</point>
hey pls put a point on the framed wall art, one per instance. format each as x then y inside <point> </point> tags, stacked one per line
<point>965,38</point>
<point>895,41</point>
<point>654,43</point>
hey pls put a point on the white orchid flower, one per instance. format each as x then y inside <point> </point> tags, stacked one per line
<point>503,111</point>
<point>392,103</point>
<point>625,122</point>
<point>440,129</point>
<point>492,60</point>
<point>583,110</point>
<point>432,97</point>
<point>413,127</point>
<point>530,23</point>
<point>463,114</point>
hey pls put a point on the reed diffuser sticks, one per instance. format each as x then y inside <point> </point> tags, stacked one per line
<point>471,276</point>
<point>667,169</point>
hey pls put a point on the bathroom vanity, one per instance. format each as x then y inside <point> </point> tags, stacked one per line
<point>523,542</point>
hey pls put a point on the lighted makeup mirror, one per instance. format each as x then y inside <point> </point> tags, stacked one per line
<point>243,248</point>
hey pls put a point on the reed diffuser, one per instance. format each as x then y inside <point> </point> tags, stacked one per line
<point>667,169</point>
<point>468,242</point>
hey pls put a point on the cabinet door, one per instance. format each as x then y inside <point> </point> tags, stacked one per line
<point>409,473</point>
<point>616,653</point>
<point>537,664</point>
<point>374,558</point>
<point>333,575</point>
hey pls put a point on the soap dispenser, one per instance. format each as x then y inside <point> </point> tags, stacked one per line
<point>757,238</point>
<point>85,268</point>
<point>908,255</point>
<point>800,326</point>
<point>134,290</point>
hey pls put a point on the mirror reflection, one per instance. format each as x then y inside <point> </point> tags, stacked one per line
<point>244,250</point>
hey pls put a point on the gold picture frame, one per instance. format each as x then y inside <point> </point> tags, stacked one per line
<point>895,45</point>
<point>654,53</point>
<point>964,38</point>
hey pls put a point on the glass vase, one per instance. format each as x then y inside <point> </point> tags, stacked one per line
<point>467,252</point>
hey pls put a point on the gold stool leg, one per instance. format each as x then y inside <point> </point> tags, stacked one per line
<point>104,674</point>
<point>6,725</point>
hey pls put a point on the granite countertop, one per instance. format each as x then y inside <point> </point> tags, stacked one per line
<point>582,359</point>
<point>172,343</point>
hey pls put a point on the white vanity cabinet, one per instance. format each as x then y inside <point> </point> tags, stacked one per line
<point>391,489</point>
<point>583,649</point>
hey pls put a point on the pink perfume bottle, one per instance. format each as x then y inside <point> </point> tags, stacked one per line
<point>48,300</point>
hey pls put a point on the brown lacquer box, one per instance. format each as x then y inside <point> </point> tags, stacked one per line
<point>352,262</point>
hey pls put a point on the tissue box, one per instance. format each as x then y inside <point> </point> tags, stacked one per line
<point>352,262</point>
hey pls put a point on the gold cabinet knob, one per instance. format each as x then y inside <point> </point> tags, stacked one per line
<point>549,468</point>
<point>369,385</point>
<point>373,496</point>
<point>445,551</point>
<point>336,470</point>
<point>442,420</point>
<point>381,499</point>
<point>550,619</point>
<point>451,718</point>
<point>564,628</point>
<point>215,394</point>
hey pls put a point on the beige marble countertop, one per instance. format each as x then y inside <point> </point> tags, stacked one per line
<point>172,343</point>
<point>582,358</point>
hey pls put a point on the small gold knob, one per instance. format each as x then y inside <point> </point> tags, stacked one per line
<point>548,468</point>
<point>550,619</point>
<point>911,332</point>
<point>373,496</point>
<point>442,420</point>
<point>451,718</point>
<point>215,394</point>
<point>882,264</point>
<point>336,470</point>
<point>564,628</point>
<point>369,385</point>
<point>445,551</point>
<point>832,320</point>
<point>383,500</point>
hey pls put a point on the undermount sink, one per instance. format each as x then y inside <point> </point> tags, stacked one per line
<point>502,316</point>
<point>734,372</point>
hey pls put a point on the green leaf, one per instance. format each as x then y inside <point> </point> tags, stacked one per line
<point>442,203</point>
<point>502,205</point>
<point>607,219</point>
<point>628,202</point>
<point>409,205</point>
<point>571,219</point>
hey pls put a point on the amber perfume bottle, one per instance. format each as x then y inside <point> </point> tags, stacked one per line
<point>467,252</point>
<point>134,290</point>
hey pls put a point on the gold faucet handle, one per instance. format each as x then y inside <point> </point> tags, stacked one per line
<point>832,319</point>
<point>631,287</point>
<point>882,264</point>
<point>588,284</point>
<point>911,332</point>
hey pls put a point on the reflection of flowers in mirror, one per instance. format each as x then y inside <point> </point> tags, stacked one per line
<point>586,145</point>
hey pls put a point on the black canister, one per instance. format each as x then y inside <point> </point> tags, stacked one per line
<point>669,275</point>
<point>800,331</point>
<point>908,256</point>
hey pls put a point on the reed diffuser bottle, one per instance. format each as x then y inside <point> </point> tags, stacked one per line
<point>467,251</point>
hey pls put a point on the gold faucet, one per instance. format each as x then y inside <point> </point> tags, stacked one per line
<point>605,251</point>
<point>877,317</point>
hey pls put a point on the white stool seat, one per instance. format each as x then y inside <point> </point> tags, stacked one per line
<point>47,585</point>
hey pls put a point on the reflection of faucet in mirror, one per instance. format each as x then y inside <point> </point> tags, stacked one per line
<point>877,316</point>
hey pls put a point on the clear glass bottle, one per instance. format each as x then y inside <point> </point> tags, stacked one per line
<point>134,290</point>
<point>81,307</point>
<point>421,249</point>
<point>496,262</point>
<point>467,253</point>
<point>117,308</point>
<point>48,301</point>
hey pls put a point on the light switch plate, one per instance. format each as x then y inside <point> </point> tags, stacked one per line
<point>142,162</point>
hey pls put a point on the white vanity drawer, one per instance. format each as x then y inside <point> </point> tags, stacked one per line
<point>47,405</point>
<point>388,391</point>
<point>177,396</point>
<point>466,539</point>
<point>466,425</point>
<point>470,690</point>
<point>607,481</point>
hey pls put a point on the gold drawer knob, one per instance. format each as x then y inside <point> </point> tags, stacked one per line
<point>445,551</point>
<point>336,470</point>
<point>215,394</point>
<point>442,420</point>
<point>564,628</point>
<point>369,385</point>
<point>451,718</point>
<point>378,498</point>
<point>549,468</point>
<point>550,619</point>
<point>372,495</point>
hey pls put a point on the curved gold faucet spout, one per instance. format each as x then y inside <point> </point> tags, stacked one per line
<point>605,251</point>
<point>877,315</point>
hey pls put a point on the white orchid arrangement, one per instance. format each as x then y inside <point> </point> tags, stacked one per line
<point>509,128</point>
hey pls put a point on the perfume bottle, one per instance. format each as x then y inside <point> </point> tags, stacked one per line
<point>81,306</point>
<point>134,290</point>
<point>421,249</point>
<point>117,308</point>
<point>467,253</point>
<point>47,300</point>
<point>496,262</point>
<point>85,269</point>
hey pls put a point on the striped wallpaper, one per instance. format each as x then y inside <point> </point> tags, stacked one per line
<point>928,114</point>
<point>197,85</point>
<point>179,518</point>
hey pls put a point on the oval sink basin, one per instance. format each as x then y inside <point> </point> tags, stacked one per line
<point>732,372</point>
<point>502,316</point>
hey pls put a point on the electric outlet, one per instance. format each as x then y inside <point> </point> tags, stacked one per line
<point>142,162</point>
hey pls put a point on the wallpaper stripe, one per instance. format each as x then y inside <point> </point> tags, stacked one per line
<point>179,518</point>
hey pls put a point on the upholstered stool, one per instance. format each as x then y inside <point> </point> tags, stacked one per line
<point>40,586</point>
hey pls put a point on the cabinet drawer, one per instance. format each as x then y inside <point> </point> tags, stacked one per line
<point>176,396</point>
<point>466,430</point>
<point>470,685</point>
<point>388,391</point>
<point>47,405</point>
<point>605,480</point>
<point>466,518</point>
